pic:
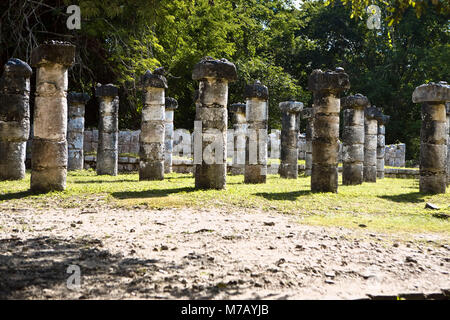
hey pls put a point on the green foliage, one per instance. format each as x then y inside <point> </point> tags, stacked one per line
<point>390,205</point>
<point>269,40</point>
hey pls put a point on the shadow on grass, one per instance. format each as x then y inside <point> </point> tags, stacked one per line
<point>28,266</point>
<point>16,195</point>
<point>155,193</point>
<point>411,197</point>
<point>292,196</point>
<point>105,181</point>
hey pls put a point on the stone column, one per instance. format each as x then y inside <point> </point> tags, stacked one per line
<point>257,111</point>
<point>308,114</point>
<point>433,135</point>
<point>49,150</point>
<point>75,130</point>
<point>210,144</point>
<point>381,143</point>
<point>108,130</point>
<point>370,144</point>
<point>171,104</point>
<point>353,139</point>
<point>447,106</point>
<point>326,87</point>
<point>151,139</point>
<point>14,119</point>
<point>240,136</point>
<point>289,138</point>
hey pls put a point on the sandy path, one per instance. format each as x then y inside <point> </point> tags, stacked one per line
<point>207,254</point>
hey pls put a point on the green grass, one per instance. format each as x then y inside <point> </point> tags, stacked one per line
<point>390,205</point>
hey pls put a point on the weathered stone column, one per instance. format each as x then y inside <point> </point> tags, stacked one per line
<point>14,119</point>
<point>325,147</point>
<point>447,106</point>
<point>370,144</point>
<point>289,138</point>
<point>381,143</point>
<point>353,139</point>
<point>49,150</point>
<point>308,114</point>
<point>240,136</point>
<point>257,111</point>
<point>108,130</point>
<point>75,130</point>
<point>210,145</point>
<point>433,135</point>
<point>171,104</point>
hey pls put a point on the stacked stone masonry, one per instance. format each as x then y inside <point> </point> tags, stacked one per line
<point>290,111</point>
<point>14,119</point>
<point>326,87</point>
<point>75,130</point>
<point>108,129</point>
<point>434,136</point>
<point>49,152</point>
<point>257,112</point>
<point>152,138</point>
<point>211,123</point>
<point>353,139</point>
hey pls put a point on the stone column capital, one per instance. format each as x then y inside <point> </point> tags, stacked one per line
<point>78,98</point>
<point>237,108</point>
<point>106,90</point>
<point>307,113</point>
<point>357,101</point>
<point>171,103</point>
<point>371,113</point>
<point>53,52</point>
<point>17,68</point>
<point>155,79</point>
<point>293,107</point>
<point>432,92</point>
<point>328,81</point>
<point>256,91</point>
<point>209,67</point>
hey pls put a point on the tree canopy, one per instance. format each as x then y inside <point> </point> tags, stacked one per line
<point>278,42</point>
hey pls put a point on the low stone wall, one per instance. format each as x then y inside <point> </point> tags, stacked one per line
<point>395,155</point>
<point>183,147</point>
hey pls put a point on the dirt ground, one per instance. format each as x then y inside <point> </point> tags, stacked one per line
<point>206,254</point>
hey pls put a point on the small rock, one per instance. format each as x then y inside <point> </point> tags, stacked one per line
<point>330,274</point>
<point>441,216</point>
<point>410,259</point>
<point>361,225</point>
<point>132,230</point>
<point>431,206</point>
<point>329,281</point>
<point>270,224</point>
<point>163,247</point>
<point>280,262</point>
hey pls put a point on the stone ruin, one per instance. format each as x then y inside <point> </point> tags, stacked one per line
<point>14,119</point>
<point>49,153</point>
<point>151,140</point>
<point>434,136</point>
<point>211,112</point>
<point>108,129</point>
<point>60,142</point>
<point>75,130</point>
<point>290,111</point>
<point>257,112</point>
<point>353,138</point>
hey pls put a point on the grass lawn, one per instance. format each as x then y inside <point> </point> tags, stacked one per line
<point>390,205</point>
